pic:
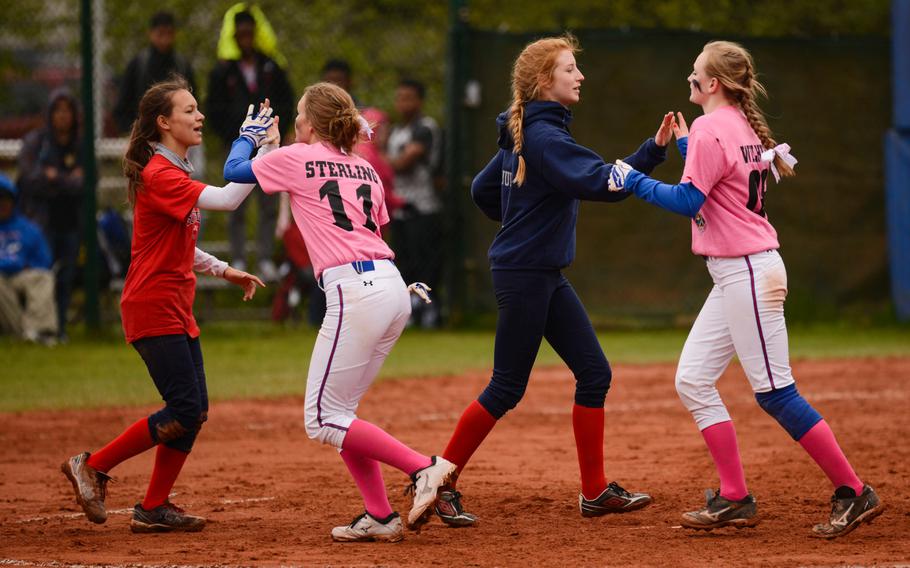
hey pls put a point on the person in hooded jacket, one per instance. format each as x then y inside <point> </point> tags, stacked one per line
<point>51,182</point>
<point>533,186</point>
<point>25,271</point>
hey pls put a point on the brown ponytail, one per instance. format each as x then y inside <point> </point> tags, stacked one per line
<point>331,112</point>
<point>532,69</point>
<point>732,65</point>
<point>157,101</point>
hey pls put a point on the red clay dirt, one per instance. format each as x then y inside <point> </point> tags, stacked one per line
<point>272,496</point>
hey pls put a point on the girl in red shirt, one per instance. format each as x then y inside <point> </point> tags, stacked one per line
<point>157,300</point>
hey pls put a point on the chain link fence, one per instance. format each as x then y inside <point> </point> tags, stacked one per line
<point>829,100</point>
<point>379,45</point>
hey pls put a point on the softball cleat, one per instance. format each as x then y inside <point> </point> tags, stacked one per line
<point>722,512</point>
<point>367,528</point>
<point>425,486</point>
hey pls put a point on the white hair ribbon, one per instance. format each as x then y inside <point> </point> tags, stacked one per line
<point>783,152</point>
<point>365,127</point>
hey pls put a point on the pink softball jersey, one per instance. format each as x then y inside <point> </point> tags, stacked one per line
<point>724,162</point>
<point>337,201</point>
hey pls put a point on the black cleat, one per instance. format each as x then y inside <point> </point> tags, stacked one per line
<point>722,512</point>
<point>614,499</point>
<point>849,511</point>
<point>450,510</point>
<point>164,518</point>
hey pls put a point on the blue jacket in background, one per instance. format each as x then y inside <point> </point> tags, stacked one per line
<point>539,218</point>
<point>22,245</point>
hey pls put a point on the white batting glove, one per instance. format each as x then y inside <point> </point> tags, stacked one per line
<point>618,176</point>
<point>255,127</point>
<point>421,290</point>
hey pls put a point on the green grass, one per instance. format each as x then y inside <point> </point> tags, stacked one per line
<point>261,360</point>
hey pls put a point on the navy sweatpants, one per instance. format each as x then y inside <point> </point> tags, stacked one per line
<point>535,305</point>
<point>175,364</point>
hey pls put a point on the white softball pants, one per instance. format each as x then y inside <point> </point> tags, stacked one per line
<point>365,315</point>
<point>743,315</point>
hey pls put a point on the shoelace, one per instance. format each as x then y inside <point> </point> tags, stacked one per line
<point>357,519</point>
<point>410,489</point>
<point>615,487</point>
<point>175,508</point>
<point>103,479</point>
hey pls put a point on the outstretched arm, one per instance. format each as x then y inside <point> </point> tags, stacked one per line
<point>682,198</point>
<point>205,263</point>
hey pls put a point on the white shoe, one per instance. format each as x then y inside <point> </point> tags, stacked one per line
<point>367,528</point>
<point>426,483</point>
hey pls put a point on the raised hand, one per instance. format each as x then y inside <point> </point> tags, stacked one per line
<point>665,131</point>
<point>680,128</point>
<point>255,127</point>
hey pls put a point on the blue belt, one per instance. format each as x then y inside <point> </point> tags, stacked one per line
<point>362,266</point>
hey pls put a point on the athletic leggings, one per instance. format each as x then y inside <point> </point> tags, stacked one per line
<point>533,305</point>
<point>175,364</point>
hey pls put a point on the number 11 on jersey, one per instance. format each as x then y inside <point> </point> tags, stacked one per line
<point>331,190</point>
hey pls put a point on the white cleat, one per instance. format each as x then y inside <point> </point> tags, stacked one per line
<point>367,528</point>
<point>426,484</point>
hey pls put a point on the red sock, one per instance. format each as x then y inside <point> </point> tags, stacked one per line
<point>168,463</point>
<point>472,428</point>
<point>588,424</point>
<point>132,442</point>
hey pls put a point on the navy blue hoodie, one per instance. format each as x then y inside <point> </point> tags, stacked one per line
<point>538,218</point>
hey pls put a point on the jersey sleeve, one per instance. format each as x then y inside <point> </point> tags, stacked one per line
<point>171,192</point>
<point>705,161</point>
<point>273,169</point>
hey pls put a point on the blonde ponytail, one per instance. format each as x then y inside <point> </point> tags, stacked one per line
<point>331,112</point>
<point>732,65</point>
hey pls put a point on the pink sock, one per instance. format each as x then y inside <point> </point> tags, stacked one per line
<point>721,440</point>
<point>820,443</point>
<point>373,442</point>
<point>368,477</point>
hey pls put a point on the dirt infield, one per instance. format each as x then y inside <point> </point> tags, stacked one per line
<point>272,496</point>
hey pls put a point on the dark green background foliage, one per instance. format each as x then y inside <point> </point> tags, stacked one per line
<point>830,99</point>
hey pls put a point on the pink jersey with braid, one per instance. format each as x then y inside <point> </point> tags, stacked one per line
<point>723,161</point>
<point>337,201</point>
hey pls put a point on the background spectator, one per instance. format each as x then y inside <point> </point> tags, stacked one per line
<point>50,170</point>
<point>374,151</point>
<point>414,154</point>
<point>245,75</point>
<point>25,271</point>
<point>156,62</point>
<point>338,72</point>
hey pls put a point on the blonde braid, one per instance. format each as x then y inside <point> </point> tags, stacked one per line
<point>516,125</point>
<point>533,67</point>
<point>732,65</point>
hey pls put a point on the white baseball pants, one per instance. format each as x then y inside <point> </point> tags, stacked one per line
<point>365,315</point>
<point>744,314</point>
